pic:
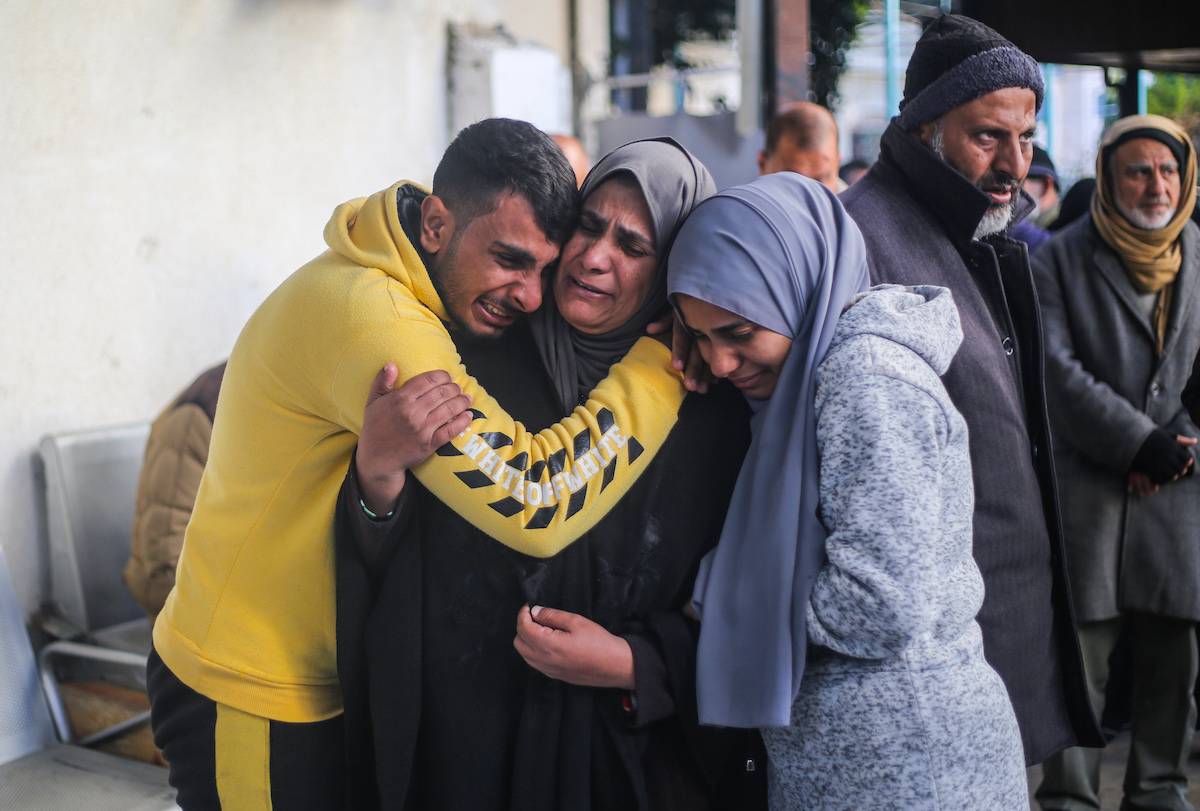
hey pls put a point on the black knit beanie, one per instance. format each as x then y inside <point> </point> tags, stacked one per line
<point>956,61</point>
<point>1042,166</point>
<point>1178,150</point>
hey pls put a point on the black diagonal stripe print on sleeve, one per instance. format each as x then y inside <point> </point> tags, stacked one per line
<point>604,418</point>
<point>508,507</point>
<point>583,444</point>
<point>495,439</point>
<point>541,518</point>
<point>475,478</point>
<point>535,472</point>
<point>576,502</point>
<point>635,449</point>
<point>609,472</point>
<point>448,449</point>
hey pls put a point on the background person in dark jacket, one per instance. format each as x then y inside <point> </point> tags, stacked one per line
<point>1042,185</point>
<point>176,452</point>
<point>458,697</point>
<point>933,211</point>
<point>1191,393</point>
<point>1075,204</point>
<point>1120,291</point>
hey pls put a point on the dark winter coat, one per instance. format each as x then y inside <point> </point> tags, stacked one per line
<point>1107,392</point>
<point>439,702</point>
<point>176,453</point>
<point>918,217</point>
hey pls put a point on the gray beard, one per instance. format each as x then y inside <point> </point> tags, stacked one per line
<point>996,218</point>
<point>1140,220</point>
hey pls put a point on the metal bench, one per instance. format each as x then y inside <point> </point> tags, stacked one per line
<point>37,773</point>
<point>91,488</point>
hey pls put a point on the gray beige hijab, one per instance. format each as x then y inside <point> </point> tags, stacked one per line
<point>673,183</point>
<point>780,252</point>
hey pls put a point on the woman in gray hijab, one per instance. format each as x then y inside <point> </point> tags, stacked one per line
<point>607,612</point>
<point>637,196</point>
<point>838,610</point>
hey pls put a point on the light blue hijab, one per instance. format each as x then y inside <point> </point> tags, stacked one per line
<point>783,253</point>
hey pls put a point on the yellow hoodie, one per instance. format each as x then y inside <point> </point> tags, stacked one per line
<point>250,622</point>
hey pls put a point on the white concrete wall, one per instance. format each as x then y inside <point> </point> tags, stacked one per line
<point>863,86</point>
<point>546,22</point>
<point>165,164</point>
<point>1075,108</point>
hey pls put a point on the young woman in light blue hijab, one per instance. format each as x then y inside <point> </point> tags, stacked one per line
<point>838,610</point>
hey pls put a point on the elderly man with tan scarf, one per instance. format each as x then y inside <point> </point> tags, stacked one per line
<point>1120,295</point>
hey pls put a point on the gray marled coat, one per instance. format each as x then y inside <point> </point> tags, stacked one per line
<point>1107,391</point>
<point>898,707</point>
<point>918,217</point>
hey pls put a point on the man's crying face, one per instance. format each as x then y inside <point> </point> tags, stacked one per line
<point>492,270</point>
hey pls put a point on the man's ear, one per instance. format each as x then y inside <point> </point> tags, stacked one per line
<point>762,161</point>
<point>925,133</point>
<point>437,224</point>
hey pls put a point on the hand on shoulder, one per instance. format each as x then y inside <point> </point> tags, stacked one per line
<point>402,427</point>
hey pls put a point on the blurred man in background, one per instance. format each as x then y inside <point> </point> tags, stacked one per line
<point>1042,185</point>
<point>1074,204</point>
<point>577,156</point>
<point>803,138</point>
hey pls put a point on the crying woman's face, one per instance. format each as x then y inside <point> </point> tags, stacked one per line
<point>747,354</point>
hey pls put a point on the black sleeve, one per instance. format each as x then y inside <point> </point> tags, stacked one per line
<point>364,553</point>
<point>664,666</point>
<point>372,539</point>
<point>732,761</point>
<point>652,688</point>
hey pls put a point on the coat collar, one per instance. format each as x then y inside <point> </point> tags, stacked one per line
<point>1185,284</point>
<point>953,200</point>
<point>1110,266</point>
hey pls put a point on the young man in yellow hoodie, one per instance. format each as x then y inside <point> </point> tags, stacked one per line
<point>245,699</point>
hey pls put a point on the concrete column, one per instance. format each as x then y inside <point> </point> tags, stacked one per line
<point>891,54</point>
<point>790,41</point>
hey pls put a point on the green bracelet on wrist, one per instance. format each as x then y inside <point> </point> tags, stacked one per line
<point>372,515</point>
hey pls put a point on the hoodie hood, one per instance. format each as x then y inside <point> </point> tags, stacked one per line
<point>367,232</point>
<point>923,319</point>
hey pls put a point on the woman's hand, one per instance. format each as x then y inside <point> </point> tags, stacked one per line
<point>685,355</point>
<point>571,648</point>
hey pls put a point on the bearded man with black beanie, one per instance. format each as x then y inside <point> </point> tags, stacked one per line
<point>934,210</point>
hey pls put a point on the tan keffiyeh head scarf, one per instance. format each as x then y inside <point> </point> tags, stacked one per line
<point>1152,258</point>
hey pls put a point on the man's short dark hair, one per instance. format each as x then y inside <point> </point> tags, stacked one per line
<point>809,125</point>
<point>499,156</point>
